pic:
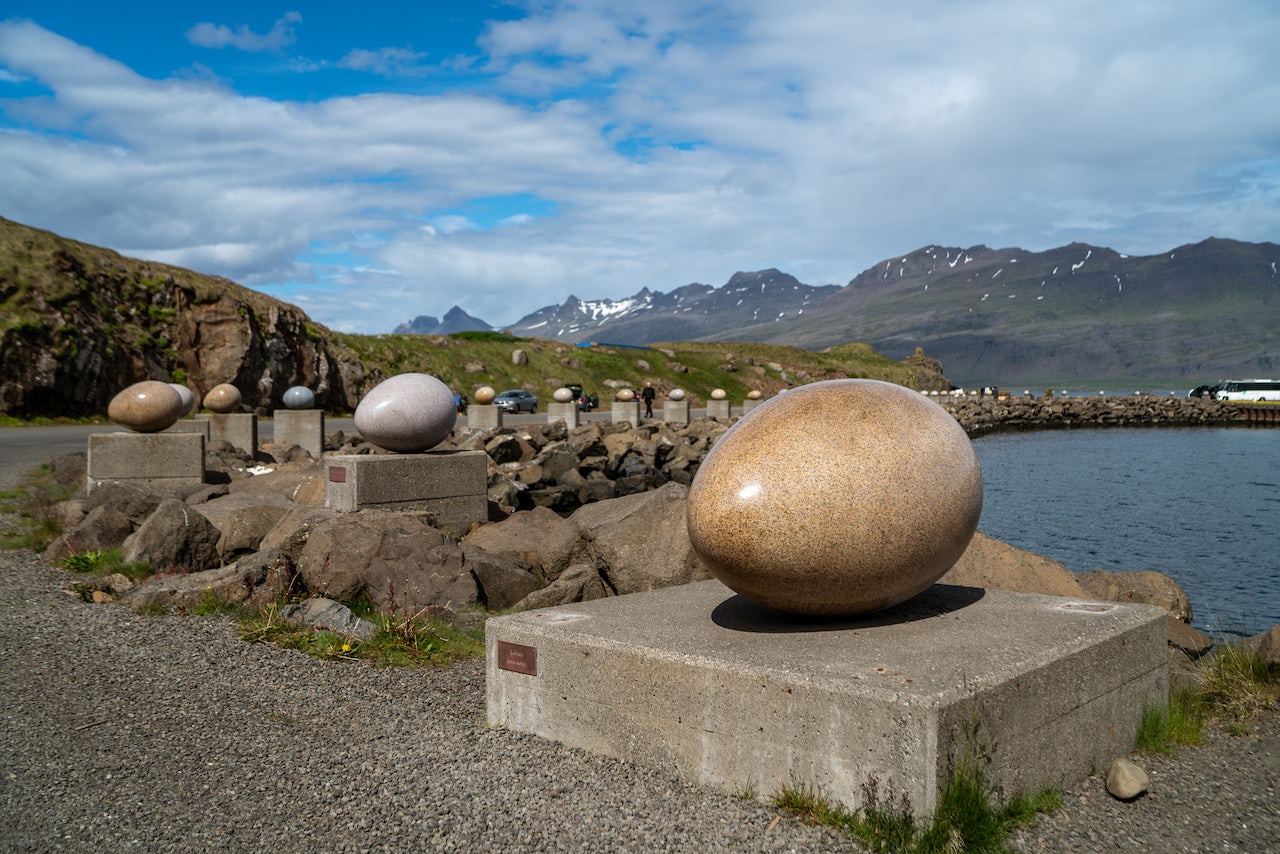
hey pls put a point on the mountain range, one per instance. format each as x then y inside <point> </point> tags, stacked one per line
<point>1075,314</point>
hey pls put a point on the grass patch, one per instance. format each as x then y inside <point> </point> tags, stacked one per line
<point>34,504</point>
<point>966,818</point>
<point>100,563</point>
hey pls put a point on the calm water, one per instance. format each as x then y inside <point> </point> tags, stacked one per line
<point>1201,505</point>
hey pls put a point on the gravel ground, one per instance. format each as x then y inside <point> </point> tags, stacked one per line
<point>125,732</point>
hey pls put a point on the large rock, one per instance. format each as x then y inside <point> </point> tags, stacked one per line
<point>291,532</point>
<point>175,538</point>
<point>638,542</point>
<point>258,579</point>
<point>988,562</point>
<point>580,582</point>
<point>1269,650</point>
<point>300,481</point>
<point>503,579</point>
<point>1126,779</point>
<point>398,560</point>
<point>1141,587</point>
<point>102,529</point>
<point>243,519</point>
<point>519,536</point>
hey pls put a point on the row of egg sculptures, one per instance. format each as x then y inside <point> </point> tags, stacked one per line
<point>407,413</point>
<point>838,498</point>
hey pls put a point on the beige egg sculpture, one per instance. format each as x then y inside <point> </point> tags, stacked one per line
<point>484,395</point>
<point>718,394</point>
<point>188,398</point>
<point>754,394</point>
<point>625,394</point>
<point>676,394</point>
<point>407,413</point>
<point>563,395</point>
<point>839,498</point>
<point>224,397</point>
<point>146,407</point>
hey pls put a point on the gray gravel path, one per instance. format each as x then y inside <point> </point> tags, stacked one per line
<point>121,732</point>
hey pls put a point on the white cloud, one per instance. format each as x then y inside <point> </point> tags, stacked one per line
<point>280,36</point>
<point>388,62</point>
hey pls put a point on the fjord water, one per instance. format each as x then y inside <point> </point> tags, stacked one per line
<point>1199,504</point>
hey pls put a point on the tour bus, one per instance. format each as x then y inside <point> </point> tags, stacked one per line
<point>1248,390</point>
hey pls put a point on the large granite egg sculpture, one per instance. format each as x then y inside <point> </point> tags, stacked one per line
<point>299,397</point>
<point>625,394</point>
<point>718,394</point>
<point>841,497</point>
<point>675,394</point>
<point>188,398</point>
<point>485,395</point>
<point>563,395</point>
<point>222,398</point>
<point>754,394</point>
<point>146,407</point>
<point>407,413</point>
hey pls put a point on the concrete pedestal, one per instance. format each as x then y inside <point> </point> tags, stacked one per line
<point>152,462</point>
<point>718,409</point>
<point>675,411</point>
<point>452,484</point>
<point>749,404</point>
<point>626,411</point>
<point>1042,690</point>
<point>189,425</point>
<point>566,412</point>
<point>301,427</point>
<point>240,429</point>
<point>484,416</point>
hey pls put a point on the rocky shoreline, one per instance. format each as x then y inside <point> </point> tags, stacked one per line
<point>983,415</point>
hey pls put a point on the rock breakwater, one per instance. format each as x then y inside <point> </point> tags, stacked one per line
<point>980,416</point>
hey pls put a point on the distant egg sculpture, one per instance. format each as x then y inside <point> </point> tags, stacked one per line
<point>754,394</point>
<point>299,397</point>
<point>146,407</point>
<point>485,395</point>
<point>625,394</point>
<point>675,394</point>
<point>222,398</point>
<point>718,394</point>
<point>188,398</point>
<point>841,497</point>
<point>407,413</point>
<point>563,395</point>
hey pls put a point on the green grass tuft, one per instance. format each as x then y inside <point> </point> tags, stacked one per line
<point>100,563</point>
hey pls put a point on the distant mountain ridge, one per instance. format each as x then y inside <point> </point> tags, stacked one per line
<point>455,320</point>
<point>1197,313</point>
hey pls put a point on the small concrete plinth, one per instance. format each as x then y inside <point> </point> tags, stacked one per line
<point>153,462</point>
<point>749,404</point>
<point>675,411</point>
<point>718,409</point>
<point>301,427</point>
<point>697,679</point>
<point>189,425</point>
<point>240,429</point>
<point>566,412</point>
<point>626,411</point>
<point>452,484</point>
<point>484,416</point>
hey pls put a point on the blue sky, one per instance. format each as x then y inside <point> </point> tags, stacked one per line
<point>371,162</point>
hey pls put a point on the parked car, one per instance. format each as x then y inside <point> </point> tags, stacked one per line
<point>517,400</point>
<point>586,402</point>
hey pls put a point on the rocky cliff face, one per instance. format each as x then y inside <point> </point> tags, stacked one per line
<point>78,323</point>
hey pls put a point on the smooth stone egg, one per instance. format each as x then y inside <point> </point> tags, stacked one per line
<point>188,397</point>
<point>146,407</point>
<point>841,497</point>
<point>625,394</point>
<point>224,397</point>
<point>718,394</point>
<point>407,413</point>
<point>563,395</point>
<point>754,394</point>
<point>675,394</point>
<point>484,395</point>
<point>299,397</point>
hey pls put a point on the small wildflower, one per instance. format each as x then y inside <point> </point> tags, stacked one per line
<point>346,647</point>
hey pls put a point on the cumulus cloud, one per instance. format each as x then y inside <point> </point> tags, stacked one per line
<point>280,36</point>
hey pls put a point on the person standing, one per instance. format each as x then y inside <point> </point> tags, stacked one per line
<point>648,395</point>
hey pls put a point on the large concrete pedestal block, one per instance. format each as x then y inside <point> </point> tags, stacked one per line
<point>160,462</point>
<point>452,484</point>
<point>626,412</point>
<point>675,411</point>
<point>239,429</point>
<point>301,427</point>
<point>718,409</point>
<point>566,412</point>
<point>482,416</point>
<point>1041,689</point>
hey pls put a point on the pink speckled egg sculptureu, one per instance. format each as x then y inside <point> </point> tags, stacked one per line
<point>146,407</point>
<point>407,413</point>
<point>838,498</point>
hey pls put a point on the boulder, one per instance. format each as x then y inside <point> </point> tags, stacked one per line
<point>1141,587</point>
<point>397,559</point>
<point>258,578</point>
<point>102,529</point>
<point>638,542</point>
<point>580,582</point>
<point>134,503</point>
<point>290,533</point>
<point>503,579</point>
<point>1269,650</point>
<point>1126,779</point>
<point>327,615</point>
<point>519,536</point>
<point>174,538</point>
<point>1192,642</point>
<point>988,562</point>
<point>243,519</point>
